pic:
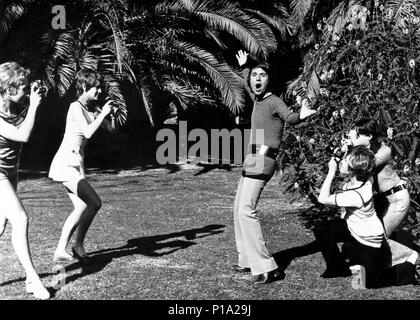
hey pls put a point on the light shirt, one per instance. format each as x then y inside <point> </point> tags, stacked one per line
<point>363,223</point>
<point>387,177</point>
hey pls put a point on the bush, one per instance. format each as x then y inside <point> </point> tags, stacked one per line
<point>364,65</point>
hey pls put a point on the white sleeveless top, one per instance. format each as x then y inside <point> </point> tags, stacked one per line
<point>68,162</point>
<point>363,223</point>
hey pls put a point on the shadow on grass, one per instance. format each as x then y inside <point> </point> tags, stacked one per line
<point>309,217</point>
<point>209,167</point>
<point>30,174</point>
<point>285,257</point>
<point>147,246</point>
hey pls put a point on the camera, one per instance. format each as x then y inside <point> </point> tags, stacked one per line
<point>114,109</point>
<point>40,86</point>
<point>340,152</point>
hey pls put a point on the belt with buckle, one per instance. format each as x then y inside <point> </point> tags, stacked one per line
<point>263,150</point>
<point>395,189</point>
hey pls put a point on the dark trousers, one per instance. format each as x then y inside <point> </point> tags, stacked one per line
<point>375,260</point>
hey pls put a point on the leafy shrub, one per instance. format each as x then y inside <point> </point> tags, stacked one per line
<point>367,64</point>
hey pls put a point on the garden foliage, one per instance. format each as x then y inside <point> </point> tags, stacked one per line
<point>363,63</point>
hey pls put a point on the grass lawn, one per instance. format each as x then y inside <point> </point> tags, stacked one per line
<point>168,234</point>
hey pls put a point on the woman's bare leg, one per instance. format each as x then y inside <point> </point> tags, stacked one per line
<point>12,209</point>
<point>86,194</point>
<point>72,220</point>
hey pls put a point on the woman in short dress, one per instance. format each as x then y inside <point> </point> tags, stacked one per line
<point>16,124</point>
<point>67,167</point>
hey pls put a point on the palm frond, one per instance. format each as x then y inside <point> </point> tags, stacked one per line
<point>185,93</point>
<point>182,69</point>
<point>194,65</point>
<point>214,36</point>
<point>187,4</point>
<point>147,102</point>
<point>114,93</point>
<point>280,21</point>
<point>225,80</point>
<point>91,61</point>
<point>109,13</point>
<point>256,36</point>
<point>210,16</point>
<point>173,8</point>
<point>300,9</point>
<point>10,11</point>
<point>60,68</point>
<point>63,77</point>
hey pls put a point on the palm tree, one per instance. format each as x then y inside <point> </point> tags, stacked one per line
<point>183,48</point>
<point>92,39</point>
<point>186,49</point>
<point>10,11</point>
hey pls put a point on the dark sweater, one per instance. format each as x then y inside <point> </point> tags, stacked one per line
<point>268,118</point>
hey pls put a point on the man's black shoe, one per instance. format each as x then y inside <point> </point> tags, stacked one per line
<point>268,277</point>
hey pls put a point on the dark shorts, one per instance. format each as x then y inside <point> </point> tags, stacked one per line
<point>11,176</point>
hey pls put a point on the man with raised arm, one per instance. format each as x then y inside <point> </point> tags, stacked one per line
<point>269,116</point>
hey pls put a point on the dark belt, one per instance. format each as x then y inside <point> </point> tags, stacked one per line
<point>395,189</point>
<point>264,150</point>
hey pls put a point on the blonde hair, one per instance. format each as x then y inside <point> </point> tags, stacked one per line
<point>361,162</point>
<point>12,75</point>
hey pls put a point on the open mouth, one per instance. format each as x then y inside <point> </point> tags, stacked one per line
<point>258,85</point>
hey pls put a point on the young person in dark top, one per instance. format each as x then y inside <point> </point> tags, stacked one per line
<point>269,116</point>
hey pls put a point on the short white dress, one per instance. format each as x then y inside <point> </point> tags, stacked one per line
<point>68,162</point>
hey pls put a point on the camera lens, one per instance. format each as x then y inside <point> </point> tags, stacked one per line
<point>338,153</point>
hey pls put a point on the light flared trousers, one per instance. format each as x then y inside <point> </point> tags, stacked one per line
<point>396,212</point>
<point>250,243</point>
